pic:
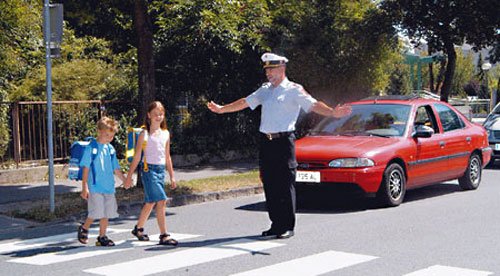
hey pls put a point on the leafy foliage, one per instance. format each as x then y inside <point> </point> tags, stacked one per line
<point>444,24</point>
<point>340,49</point>
<point>19,43</point>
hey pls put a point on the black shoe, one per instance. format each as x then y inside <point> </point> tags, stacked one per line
<point>104,241</point>
<point>139,234</point>
<point>286,235</point>
<point>270,234</point>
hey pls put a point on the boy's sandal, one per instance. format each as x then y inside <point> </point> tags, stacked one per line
<point>165,239</point>
<point>104,241</point>
<point>139,234</point>
<point>83,235</point>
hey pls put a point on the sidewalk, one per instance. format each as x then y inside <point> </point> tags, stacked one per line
<point>14,193</point>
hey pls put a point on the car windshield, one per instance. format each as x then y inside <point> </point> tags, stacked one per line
<point>385,120</point>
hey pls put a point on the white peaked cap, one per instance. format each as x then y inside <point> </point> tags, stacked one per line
<point>273,60</point>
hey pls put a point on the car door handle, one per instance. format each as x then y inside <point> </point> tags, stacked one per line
<point>468,139</point>
<point>442,144</point>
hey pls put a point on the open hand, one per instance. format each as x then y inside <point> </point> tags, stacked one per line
<point>342,110</point>
<point>214,107</point>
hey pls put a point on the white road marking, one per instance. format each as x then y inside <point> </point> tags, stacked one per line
<point>42,242</point>
<point>310,265</point>
<point>441,270</point>
<point>91,251</point>
<point>184,258</point>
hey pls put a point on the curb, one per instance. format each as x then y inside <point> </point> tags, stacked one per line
<point>181,200</point>
<point>213,196</point>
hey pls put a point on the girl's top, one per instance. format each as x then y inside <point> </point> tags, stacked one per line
<point>155,147</point>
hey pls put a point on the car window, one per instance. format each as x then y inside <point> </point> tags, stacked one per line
<point>449,119</point>
<point>425,117</point>
<point>367,120</point>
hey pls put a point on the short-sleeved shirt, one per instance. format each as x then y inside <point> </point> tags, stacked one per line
<point>104,165</point>
<point>280,105</point>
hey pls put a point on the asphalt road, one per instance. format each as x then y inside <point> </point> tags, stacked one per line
<point>438,230</point>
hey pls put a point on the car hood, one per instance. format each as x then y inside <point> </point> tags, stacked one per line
<point>493,122</point>
<point>327,147</point>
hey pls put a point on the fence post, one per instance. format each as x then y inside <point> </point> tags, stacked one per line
<point>16,136</point>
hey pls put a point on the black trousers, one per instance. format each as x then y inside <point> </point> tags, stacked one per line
<point>278,166</point>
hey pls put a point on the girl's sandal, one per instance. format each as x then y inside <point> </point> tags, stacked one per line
<point>83,235</point>
<point>139,234</point>
<point>165,239</point>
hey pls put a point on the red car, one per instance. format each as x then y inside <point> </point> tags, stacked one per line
<point>390,144</point>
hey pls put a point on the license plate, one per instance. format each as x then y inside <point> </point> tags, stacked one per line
<point>497,146</point>
<point>303,176</point>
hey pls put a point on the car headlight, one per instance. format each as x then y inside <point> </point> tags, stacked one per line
<point>351,163</point>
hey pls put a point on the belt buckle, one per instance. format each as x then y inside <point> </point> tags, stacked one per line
<point>269,136</point>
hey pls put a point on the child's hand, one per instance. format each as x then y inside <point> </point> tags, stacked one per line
<point>173,185</point>
<point>85,194</point>
<point>127,184</point>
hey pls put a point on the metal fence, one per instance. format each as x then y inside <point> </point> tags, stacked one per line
<point>28,121</point>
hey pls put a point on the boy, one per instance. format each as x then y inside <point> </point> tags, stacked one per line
<point>98,186</point>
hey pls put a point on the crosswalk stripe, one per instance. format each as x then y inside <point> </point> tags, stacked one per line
<point>42,242</point>
<point>91,251</point>
<point>448,271</point>
<point>185,258</point>
<point>311,265</point>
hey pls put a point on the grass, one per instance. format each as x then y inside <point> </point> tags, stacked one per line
<point>70,204</point>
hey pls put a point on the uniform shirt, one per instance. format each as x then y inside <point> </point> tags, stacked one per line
<point>105,163</point>
<point>280,105</point>
<point>155,147</point>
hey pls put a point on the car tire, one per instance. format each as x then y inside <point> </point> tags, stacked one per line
<point>393,187</point>
<point>472,176</point>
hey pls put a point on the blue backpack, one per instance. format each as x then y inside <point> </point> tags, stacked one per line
<point>77,149</point>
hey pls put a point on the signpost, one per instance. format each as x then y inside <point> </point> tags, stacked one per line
<point>53,15</point>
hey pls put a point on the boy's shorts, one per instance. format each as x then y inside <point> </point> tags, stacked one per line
<point>102,206</point>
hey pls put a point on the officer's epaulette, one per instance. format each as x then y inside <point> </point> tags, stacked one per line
<point>266,85</point>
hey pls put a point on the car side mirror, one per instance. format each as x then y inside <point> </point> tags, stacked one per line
<point>422,131</point>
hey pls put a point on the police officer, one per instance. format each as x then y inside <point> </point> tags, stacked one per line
<point>281,102</point>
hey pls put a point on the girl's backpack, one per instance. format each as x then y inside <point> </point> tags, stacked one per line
<point>132,137</point>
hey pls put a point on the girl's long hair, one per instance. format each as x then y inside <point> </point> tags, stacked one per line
<point>147,121</point>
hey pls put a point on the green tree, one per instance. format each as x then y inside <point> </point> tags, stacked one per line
<point>444,24</point>
<point>19,45</point>
<point>210,50</point>
<point>340,49</point>
<point>127,24</point>
<point>87,70</point>
<point>463,73</point>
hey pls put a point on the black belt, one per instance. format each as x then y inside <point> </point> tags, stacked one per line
<point>271,136</point>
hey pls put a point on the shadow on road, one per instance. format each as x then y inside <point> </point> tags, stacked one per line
<point>493,165</point>
<point>225,243</point>
<point>13,193</point>
<point>329,201</point>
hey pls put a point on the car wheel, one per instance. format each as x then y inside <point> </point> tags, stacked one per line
<point>393,187</point>
<point>472,176</point>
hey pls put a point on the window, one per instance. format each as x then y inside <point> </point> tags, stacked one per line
<point>425,116</point>
<point>449,119</point>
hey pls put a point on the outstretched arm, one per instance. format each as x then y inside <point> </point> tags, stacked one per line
<point>232,107</point>
<point>323,109</point>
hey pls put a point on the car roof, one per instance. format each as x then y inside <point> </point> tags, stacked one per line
<point>396,99</point>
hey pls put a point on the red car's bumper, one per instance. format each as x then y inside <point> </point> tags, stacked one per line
<point>368,179</point>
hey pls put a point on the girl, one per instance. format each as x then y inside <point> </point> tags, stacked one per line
<point>154,141</point>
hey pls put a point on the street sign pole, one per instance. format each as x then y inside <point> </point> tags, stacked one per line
<point>48,81</point>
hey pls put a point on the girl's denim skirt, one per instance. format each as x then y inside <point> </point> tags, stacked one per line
<point>154,183</point>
